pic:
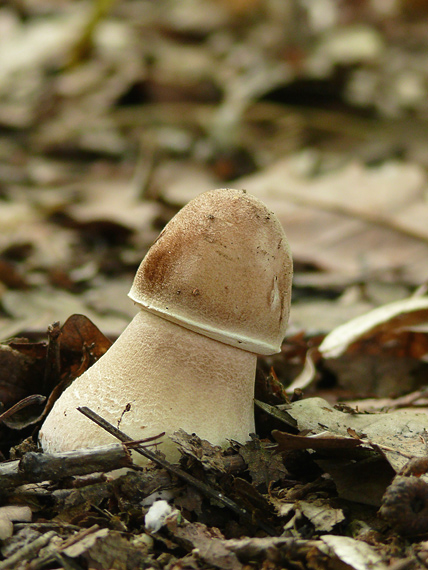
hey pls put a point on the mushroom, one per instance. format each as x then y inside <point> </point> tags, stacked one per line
<point>213,292</point>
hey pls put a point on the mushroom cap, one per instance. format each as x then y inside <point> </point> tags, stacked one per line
<point>221,267</point>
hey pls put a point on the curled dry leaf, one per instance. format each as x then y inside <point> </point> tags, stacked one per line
<point>30,365</point>
<point>80,344</point>
<point>24,413</point>
<point>8,515</point>
<point>388,347</point>
<point>287,441</point>
<point>398,316</point>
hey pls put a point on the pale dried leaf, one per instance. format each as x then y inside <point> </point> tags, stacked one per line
<point>399,432</point>
<point>113,201</point>
<point>340,338</point>
<point>78,548</point>
<point>321,514</point>
<point>354,553</point>
<point>306,376</point>
<point>10,514</point>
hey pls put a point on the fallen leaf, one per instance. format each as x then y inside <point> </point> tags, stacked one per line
<point>323,516</point>
<point>21,372</point>
<point>263,465</point>
<point>324,441</point>
<point>387,347</point>
<point>398,316</point>
<point>397,433</point>
<point>10,514</point>
<point>206,542</point>
<point>210,456</point>
<point>355,554</point>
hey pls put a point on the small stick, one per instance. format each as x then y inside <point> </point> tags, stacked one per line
<point>36,467</point>
<point>53,365</point>
<point>205,489</point>
<point>28,551</point>
<point>51,555</point>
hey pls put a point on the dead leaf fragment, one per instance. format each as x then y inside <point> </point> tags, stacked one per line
<point>363,481</point>
<point>106,549</point>
<point>81,546</point>
<point>20,373</point>
<point>354,553</point>
<point>264,466</point>
<point>24,413</point>
<point>369,228</point>
<point>206,543</point>
<point>323,516</point>
<point>79,332</point>
<point>210,456</point>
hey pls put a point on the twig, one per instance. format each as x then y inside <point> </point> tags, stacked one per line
<point>43,467</point>
<point>36,467</point>
<point>202,487</point>
<point>51,556</point>
<point>53,365</point>
<point>377,446</point>
<point>29,551</point>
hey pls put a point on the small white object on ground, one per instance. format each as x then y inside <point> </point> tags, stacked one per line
<point>156,515</point>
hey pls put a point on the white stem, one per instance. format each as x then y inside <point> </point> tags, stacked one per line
<point>170,378</point>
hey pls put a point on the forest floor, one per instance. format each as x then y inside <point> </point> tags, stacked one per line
<point>113,115</point>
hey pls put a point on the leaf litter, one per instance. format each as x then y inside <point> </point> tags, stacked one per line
<point>113,116</point>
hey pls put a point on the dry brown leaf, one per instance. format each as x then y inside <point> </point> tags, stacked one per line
<point>20,372</point>
<point>264,466</point>
<point>210,456</point>
<point>207,541</point>
<point>287,442</point>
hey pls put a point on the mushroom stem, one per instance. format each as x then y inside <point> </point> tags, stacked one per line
<point>159,376</point>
